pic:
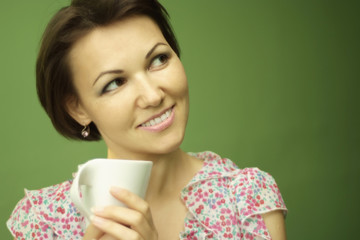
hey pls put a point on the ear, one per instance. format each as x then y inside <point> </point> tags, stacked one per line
<point>77,111</point>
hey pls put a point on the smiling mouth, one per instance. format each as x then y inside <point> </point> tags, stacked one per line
<point>158,120</point>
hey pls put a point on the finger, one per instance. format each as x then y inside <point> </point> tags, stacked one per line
<point>92,232</point>
<point>107,237</point>
<point>127,217</point>
<point>132,201</point>
<point>114,229</point>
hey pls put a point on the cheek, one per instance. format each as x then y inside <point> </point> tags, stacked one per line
<point>179,82</point>
<point>183,89</point>
<point>108,114</point>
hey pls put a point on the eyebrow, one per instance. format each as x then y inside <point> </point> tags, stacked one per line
<point>153,49</point>
<point>118,71</point>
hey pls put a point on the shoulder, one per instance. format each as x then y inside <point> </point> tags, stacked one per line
<point>225,198</point>
<point>256,191</point>
<point>45,213</point>
<point>218,169</point>
<point>213,166</point>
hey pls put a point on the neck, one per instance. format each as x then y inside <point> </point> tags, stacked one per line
<point>168,174</point>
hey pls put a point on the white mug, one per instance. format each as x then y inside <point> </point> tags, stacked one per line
<point>92,183</point>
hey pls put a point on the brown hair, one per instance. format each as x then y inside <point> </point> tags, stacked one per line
<point>53,74</point>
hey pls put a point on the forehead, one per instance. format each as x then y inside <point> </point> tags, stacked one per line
<point>119,39</point>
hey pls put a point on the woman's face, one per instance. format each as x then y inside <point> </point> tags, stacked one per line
<point>132,85</point>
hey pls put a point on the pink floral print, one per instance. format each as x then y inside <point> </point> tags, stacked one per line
<point>47,213</point>
<point>224,202</point>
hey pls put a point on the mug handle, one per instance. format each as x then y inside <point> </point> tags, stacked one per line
<point>81,178</point>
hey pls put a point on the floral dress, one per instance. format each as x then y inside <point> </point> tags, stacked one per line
<point>223,202</point>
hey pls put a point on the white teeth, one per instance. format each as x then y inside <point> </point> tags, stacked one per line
<point>157,120</point>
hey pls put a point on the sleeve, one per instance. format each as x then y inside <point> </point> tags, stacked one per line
<point>25,224</point>
<point>256,193</point>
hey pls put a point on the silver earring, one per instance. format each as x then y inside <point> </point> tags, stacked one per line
<point>86,131</point>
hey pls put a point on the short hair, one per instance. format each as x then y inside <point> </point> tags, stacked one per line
<point>54,80</point>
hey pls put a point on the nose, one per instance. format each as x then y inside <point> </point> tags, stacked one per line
<point>150,93</point>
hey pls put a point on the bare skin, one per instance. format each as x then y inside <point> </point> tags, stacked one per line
<point>168,210</point>
<point>275,223</point>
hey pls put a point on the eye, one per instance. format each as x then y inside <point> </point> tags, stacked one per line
<point>114,84</point>
<point>159,61</point>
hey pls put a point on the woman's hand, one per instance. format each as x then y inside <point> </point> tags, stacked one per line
<point>114,222</point>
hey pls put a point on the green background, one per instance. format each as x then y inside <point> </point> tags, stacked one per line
<point>273,84</point>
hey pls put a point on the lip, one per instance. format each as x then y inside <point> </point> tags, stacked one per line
<point>163,125</point>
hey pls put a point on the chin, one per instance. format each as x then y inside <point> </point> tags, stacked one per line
<point>169,146</point>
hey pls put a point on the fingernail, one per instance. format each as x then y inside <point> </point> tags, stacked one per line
<point>97,210</point>
<point>98,221</point>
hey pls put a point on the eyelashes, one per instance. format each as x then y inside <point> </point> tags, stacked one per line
<point>157,63</point>
<point>114,84</point>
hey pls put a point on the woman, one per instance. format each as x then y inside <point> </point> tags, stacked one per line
<point>110,69</point>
